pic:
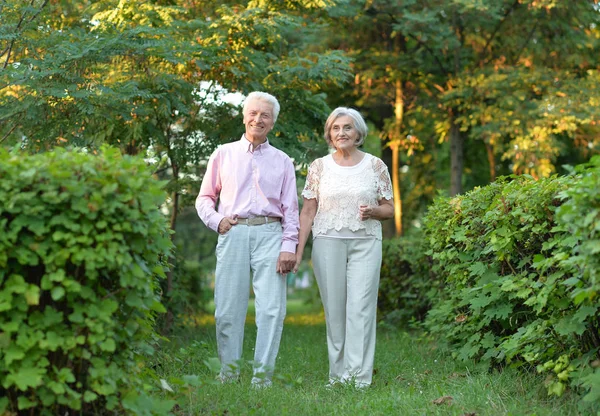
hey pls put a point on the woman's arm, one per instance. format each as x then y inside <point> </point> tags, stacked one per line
<point>383,211</point>
<point>307,216</point>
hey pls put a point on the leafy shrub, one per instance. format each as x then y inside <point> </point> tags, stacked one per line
<point>82,243</point>
<point>405,287</point>
<point>482,245</point>
<point>574,254</point>
<point>518,263</point>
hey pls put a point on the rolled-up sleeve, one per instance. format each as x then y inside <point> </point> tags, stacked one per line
<point>209,193</point>
<point>289,207</point>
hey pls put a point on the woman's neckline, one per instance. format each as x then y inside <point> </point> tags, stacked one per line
<point>364,155</point>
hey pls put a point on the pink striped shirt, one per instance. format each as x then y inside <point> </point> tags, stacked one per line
<point>250,184</point>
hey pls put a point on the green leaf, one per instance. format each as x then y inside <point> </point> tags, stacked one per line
<point>213,364</point>
<point>158,307</point>
<point>134,300</point>
<point>478,269</point>
<point>89,396</point>
<point>192,380</point>
<point>32,295</point>
<point>591,382</point>
<point>108,345</point>
<point>557,388</point>
<point>3,404</point>
<point>4,341</point>
<point>13,353</point>
<point>57,388</point>
<point>52,341</point>
<point>57,293</point>
<point>23,403</point>
<point>26,377</point>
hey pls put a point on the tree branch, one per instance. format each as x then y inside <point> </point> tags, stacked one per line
<point>527,40</point>
<point>497,28</point>
<point>428,49</point>
<point>423,44</point>
<point>18,29</point>
<point>8,134</point>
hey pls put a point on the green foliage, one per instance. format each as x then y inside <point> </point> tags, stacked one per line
<point>82,247</point>
<point>575,252</point>
<point>150,77</point>
<point>405,291</point>
<point>517,79</point>
<point>153,78</point>
<point>517,262</point>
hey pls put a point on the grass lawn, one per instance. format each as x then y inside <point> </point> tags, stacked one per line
<point>410,375</point>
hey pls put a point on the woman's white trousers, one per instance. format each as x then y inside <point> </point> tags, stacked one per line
<point>347,271</point>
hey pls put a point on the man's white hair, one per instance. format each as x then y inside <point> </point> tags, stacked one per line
<point>263,96</point>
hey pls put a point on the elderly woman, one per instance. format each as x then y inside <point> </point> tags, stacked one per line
<point>347,194</point>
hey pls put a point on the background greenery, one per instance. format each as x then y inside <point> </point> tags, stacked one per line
<point>457,94</point>
<point>82,249</point>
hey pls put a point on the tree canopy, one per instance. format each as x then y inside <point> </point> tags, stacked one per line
<point>457,92</point>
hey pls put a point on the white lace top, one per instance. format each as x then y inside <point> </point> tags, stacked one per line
<point>340,190</point>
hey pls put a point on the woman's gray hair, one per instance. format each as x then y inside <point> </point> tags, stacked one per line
<point>357,120</point>
<point>263,96</point>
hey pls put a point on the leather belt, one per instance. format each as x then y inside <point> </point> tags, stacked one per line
<point>257,220</point>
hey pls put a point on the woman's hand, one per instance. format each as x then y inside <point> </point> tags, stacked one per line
<point>298,261</point>
<point>366,212</point>
<point>381,212</point>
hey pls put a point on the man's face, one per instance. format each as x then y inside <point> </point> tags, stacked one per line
<point>258,120</point>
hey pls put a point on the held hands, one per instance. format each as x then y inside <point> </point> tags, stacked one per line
<point>285,262</point>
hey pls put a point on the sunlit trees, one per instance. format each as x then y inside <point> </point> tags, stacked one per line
<point>149,77</point>
<point>503,86</point>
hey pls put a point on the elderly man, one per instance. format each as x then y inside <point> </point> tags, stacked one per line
<point>257,222</point>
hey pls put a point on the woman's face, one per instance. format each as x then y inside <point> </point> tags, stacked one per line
<point>343,134</point>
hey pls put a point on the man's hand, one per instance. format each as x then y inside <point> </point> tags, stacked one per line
<point>226,224</point>
<point>285,262</point>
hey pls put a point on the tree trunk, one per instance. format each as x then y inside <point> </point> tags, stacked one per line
<point>456,138</point>
<point>396,189</point>
<point>491,161</point>
<point>399,114</point>
<point>456,159</point>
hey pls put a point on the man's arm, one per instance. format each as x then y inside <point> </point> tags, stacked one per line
<point>209,193</point>
<point>289,222</point>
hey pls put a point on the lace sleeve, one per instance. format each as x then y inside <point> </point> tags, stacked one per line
<point>311,188</point>
<point>384,183</point>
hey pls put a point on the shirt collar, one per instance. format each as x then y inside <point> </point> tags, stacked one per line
<point>249,147</point>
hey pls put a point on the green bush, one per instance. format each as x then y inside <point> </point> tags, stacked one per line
<point>574,255</point>
<point>518,263</point>
<point>482,245</point>
<point>406,287</point>
<point>82,244</point>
